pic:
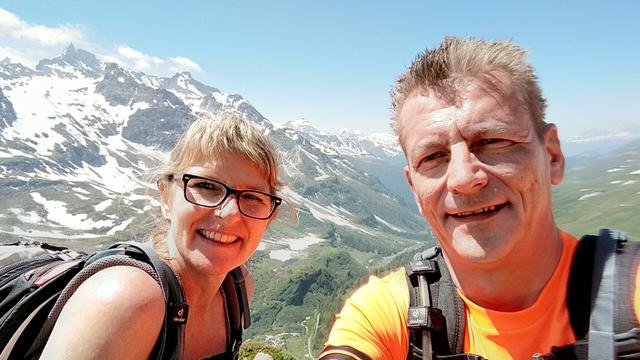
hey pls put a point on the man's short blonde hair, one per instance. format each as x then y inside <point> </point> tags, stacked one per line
<point>455,58</point>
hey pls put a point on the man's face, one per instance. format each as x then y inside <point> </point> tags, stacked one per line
<point>479,172</point>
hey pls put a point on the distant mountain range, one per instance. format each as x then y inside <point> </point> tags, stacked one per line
<point>600,141</point>
<point>78,137</point>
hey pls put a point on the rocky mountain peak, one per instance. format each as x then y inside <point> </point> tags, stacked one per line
<point>72,63</point>
<point>10,70</point>
<point>184,82</point>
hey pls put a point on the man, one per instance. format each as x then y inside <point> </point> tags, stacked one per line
<point>481,162</point>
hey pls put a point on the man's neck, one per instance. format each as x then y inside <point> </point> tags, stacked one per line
<point>515,283</point>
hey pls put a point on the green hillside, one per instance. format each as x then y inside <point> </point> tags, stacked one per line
<point>601,191</point>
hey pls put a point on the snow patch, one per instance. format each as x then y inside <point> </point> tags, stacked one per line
<point>30,217</point>
<point>49,234</point>
<point>293,247</point>
<point>120,227</point>
<point>320,212</point>
<point>57,213</point>
<point>387,224</point>
<point>583,197</point>
<point>282,254</point>
<point>103,205</point>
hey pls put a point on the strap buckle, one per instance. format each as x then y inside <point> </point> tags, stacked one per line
<point>426,317</point>
<point>425,264</point>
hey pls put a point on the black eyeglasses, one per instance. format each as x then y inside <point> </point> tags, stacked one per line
<point>211,193</point>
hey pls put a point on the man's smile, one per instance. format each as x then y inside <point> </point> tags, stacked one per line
<point>474,213</point>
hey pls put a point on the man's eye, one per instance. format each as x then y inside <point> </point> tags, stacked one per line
<point>432,159</point>
<point>434,156</point>
<point>494,142</point>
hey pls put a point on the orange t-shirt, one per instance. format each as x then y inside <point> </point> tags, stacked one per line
<point>374,320</point>
<point>520,334</point>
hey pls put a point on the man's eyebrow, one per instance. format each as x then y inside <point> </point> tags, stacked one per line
<point>490,126</point>
<point>426,144</point>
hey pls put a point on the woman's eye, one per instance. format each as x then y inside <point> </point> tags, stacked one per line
<point>204,185</point>
<point>254,198</point>
<point>207,186</point>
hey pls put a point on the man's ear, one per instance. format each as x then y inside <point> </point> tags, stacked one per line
<point>407,176</point>
<point>165,198</point>
<point>556,158</point>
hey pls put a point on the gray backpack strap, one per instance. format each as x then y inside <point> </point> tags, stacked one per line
<point>443,316</point>
<point>590,311</point>
<point>601,327</point>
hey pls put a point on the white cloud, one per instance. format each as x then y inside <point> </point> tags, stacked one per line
<point>135,58</point>
<point>28,43</point>
<point>11,26</point>
<point>15,55</point>
<point>181,63</point>
<point>140,61</point>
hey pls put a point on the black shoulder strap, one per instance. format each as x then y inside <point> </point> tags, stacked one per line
<point>444,317</point>
<point>237,301</point>
<point>170,344</point>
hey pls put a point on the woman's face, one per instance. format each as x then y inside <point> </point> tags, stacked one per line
<point>215,240</point>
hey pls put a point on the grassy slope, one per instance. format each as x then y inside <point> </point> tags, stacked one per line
<point>617,203</point>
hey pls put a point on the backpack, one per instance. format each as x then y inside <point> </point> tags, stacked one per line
<point>599,301</point>
<point>36,280</point>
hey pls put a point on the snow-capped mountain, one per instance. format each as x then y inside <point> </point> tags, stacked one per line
<point>78,137</point>
<point>600,141</point>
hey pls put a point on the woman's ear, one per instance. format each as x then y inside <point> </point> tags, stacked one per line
<point>165,198</point>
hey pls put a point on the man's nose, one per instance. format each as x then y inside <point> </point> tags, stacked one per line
<point>465,173</point>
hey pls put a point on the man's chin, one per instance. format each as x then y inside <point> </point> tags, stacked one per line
<point>478,249</point>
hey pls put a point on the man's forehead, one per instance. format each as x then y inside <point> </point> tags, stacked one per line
<point>491,98</point>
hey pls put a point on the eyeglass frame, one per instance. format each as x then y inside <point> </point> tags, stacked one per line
<point>228,192</point>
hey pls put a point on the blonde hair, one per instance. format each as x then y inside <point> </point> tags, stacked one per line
<point>208,138</point>
<point>455,58</point>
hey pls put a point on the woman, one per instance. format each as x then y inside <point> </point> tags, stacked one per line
<point>216,195</point>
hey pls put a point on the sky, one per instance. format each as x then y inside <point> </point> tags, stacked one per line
<point>333,62</point>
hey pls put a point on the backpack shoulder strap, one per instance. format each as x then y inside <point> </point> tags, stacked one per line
<point>444,317</point>
<point>600,298</point>
<point>237,302</point>
<point>601,329</point>
<point>171,340</point>
<point>144,257</point>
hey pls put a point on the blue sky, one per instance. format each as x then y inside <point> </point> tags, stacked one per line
<point>333,62</point>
